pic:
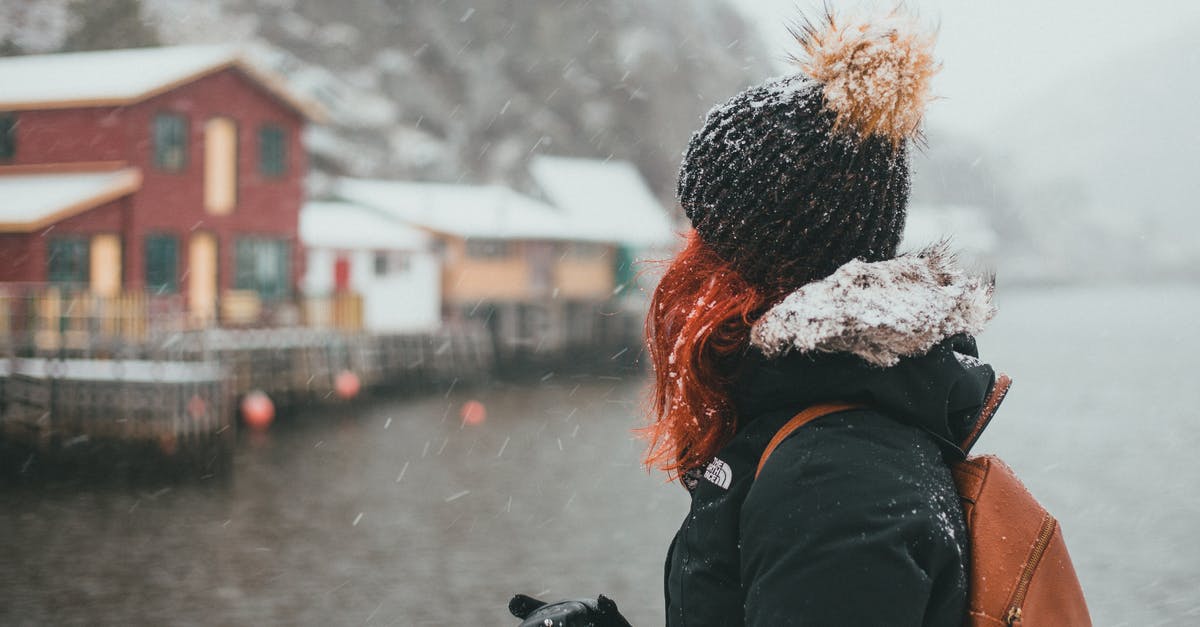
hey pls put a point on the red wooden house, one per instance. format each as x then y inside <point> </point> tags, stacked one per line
<point>173,170</point>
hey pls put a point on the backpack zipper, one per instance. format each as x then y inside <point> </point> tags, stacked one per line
<point>1035,557</point>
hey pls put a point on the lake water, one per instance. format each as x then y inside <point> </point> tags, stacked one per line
<point>394,512</point>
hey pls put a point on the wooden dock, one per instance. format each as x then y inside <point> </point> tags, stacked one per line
<point>93,383</point>
<point>74,410</point>
<point>178,406</point>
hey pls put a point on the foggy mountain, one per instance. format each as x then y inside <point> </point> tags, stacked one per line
<point>1106,161</point>
<point>1093,178</point>
<point>455,89</point>
<point>463,90</point>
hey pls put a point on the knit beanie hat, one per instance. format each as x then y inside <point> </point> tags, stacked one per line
<point>791,179</point>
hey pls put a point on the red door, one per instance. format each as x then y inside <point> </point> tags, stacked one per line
<point>341,274</point>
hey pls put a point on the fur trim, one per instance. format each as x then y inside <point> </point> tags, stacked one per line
<point>876,73</point>
<point>880,311</point>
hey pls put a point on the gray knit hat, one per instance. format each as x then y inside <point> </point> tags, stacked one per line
<point>791,179</point>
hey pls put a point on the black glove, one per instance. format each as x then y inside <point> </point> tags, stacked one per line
<point>599,612</point>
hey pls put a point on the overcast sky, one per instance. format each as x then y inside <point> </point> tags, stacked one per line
<point>999,54</point>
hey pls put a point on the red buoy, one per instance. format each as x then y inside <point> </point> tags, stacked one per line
<point>196,407</point>
<point>168,443</point>
<point>257,410</point>
<point>473,413</point>
<point>347,385</point>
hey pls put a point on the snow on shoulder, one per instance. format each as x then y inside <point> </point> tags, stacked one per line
<point>879,311</point>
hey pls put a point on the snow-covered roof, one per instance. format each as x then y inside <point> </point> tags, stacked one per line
<point>120,77</point>
<point>482,211</point>
<point>353,227</point>
<point>608,198</point>
<point>32,200</point>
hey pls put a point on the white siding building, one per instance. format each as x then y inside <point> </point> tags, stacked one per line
<point>392,266</point>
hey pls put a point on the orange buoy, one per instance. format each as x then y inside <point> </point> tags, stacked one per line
<point>257,410</point>
<point>473,413</point>
<point>168,443</point>
<point>196,407</point>
<point>347,385</point>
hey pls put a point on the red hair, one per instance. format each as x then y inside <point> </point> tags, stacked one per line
<point>697,330</point>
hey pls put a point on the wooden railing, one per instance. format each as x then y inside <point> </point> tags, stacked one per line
<point>57,320</point>
<point>343,312</point>
<point>62,320</point>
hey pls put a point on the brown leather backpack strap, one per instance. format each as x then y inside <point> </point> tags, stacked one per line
<point>990,405</point>
<point>799,420</point>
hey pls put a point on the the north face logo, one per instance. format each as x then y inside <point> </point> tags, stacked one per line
<point>719,473</point>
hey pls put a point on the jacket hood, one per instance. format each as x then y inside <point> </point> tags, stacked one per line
<point>879,311</point>
<point>895,335</point>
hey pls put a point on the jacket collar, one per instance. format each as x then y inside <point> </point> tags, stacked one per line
<point>879,311</point>
<point>894,334</point>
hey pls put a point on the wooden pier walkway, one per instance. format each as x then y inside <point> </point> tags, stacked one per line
<point>180,407</point>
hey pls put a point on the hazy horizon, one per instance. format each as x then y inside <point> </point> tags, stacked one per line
<point>985,45</point>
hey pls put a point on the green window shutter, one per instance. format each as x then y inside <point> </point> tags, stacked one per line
<point>624,264</point>
<point>67,260</point>
<point>243,271</point>
<point>272,151</point>
<point>170,142</point>
<point>162,264</point>
<point>8,136</point>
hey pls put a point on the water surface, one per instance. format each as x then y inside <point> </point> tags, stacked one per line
<point>395,512</point>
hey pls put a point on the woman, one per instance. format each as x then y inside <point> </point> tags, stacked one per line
<point>790,294</point>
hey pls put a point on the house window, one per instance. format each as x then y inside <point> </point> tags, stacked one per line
<point>67,260</point>
<point>488,248</point>
<point>264,266</point>
<point>162,264</point>
<point>170,142</point>
<point>272,151</point>
<point>585,250</point>
<point>390,262</point>
<point>8,136</point>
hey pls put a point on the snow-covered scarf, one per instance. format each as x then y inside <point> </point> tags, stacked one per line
<point>880,311</point>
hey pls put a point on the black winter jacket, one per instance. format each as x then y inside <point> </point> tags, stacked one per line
<point>854,519</point>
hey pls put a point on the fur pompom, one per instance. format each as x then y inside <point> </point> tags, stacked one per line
<point>876,73</point>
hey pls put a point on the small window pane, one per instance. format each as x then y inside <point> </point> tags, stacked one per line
<point>488,248</point>
<point>67,261</point>
<point>390,262</point>
<point>170,142</point>
<point>162,264</point>
<point>8,135</point>
<point>272,151</point>
<point>264,266</point>
<point>585,250</point>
